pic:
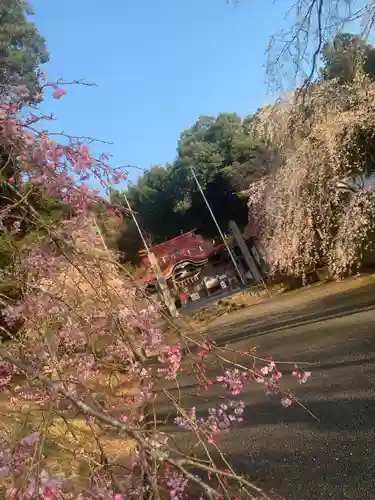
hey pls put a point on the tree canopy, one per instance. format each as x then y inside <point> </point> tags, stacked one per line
<point>344,55</point>
<point>22,51</point>
<point>225,157</point>
<point>22,48</point>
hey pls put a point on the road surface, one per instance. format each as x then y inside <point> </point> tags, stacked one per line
<point>286,449</point>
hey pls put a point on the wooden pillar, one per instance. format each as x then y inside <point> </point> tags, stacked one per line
<point>163,287</point>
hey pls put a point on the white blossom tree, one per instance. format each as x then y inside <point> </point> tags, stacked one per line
<point>313,208</point>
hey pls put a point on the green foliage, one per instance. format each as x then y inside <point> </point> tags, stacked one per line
<point>153,199</point>
<point>120,234</point>
<point>22,48</point>
<point>225,157</point>
<point>23,216</point>
<point>22,227</point>
<point>22,51</point>
<point>215,143</point>
<point>344,55</point>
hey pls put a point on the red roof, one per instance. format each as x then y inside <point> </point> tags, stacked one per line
<point>185,247</point>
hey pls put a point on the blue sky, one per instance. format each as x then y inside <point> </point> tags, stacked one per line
<point>159,64</point>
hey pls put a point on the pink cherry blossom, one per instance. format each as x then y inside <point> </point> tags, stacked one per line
<point>171,361</point>
<point>176,483</point>
<point>233,380</point>
<point>59,93</point>
<point>286,402</point>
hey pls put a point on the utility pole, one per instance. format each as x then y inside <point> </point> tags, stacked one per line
<point>162,285</point>
<point>136,223</point>
<point>243,281</point>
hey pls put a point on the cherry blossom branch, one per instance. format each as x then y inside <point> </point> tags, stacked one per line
<point>184,461</point>
<point>57,388</point>
<point>80,327</point>
<point>61,81</point>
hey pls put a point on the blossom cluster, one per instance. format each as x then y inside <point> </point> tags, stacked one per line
<point>233,380</point>
<point>61,170</point>
<point>171,361</point>
<point>219,419</point>
<point>176,483</point>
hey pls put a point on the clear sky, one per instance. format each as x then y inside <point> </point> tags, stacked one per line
<point>159,64</point>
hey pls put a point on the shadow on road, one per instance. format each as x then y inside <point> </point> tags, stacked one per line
<point>348,415</point>
<point>340,445</point>
<point>319,367</point>
<point>331,307</point>
<point>287,449</point>
<point>336,415</point>
<point>313,474</point>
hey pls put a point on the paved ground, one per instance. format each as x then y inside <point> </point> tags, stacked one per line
<point>286,449</point>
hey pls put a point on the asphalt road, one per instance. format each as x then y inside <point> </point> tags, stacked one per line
<point>287,450</point>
